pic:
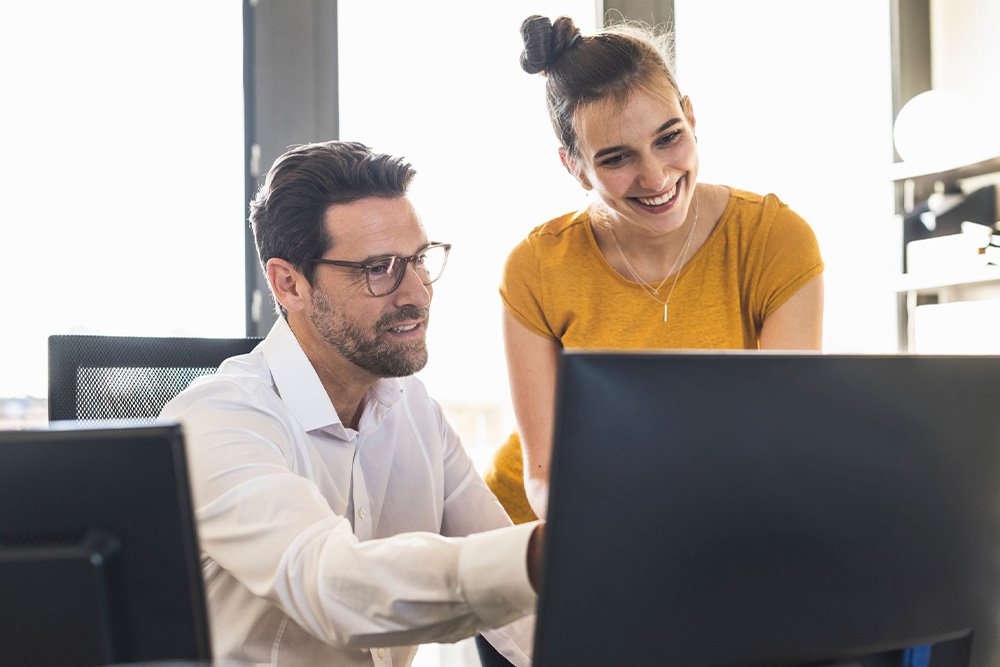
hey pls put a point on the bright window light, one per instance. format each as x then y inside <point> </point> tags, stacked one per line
<point>442,86</point>
<point>122,137</point>
<point>794,97</point>
<point>450,96</point>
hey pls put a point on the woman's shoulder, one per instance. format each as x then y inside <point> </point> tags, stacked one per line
<point>744,200</point>
<point>756,212</point>
<point>764,225</point>
<point>564,228</point>
<point>567,235</point>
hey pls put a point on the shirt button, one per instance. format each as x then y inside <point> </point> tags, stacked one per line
<point>362,513</point>
<point>381,653</point>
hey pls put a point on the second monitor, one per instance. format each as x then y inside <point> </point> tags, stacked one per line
<point>748,509</point>
<point>99,559</point>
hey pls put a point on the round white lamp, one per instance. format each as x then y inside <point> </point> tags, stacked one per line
<point>939,127</point>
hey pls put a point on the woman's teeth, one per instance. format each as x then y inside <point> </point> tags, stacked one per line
<point>659,199</point>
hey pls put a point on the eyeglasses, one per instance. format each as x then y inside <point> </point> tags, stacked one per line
<point>385,274</point>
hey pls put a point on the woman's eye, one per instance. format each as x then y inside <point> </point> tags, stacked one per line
<point>612,161</point>
<point>669,138</point>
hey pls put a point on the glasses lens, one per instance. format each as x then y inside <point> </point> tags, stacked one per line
<point>429,265</point>
<point>385,275</point>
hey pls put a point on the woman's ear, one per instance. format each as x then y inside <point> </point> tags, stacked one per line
<point>573,167</point>
<point>688,109</point>
<point>287,284</point>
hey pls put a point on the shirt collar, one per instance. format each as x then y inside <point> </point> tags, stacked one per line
<point>299,385</point>
<point>296,380</point>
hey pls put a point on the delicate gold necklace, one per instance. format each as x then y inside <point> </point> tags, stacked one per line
<point>648,288</point>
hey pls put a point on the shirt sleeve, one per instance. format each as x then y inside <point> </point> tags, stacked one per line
<point>471,508</point>
<point>521,289</point>
<point>791,258</point>
<point>273,531</point>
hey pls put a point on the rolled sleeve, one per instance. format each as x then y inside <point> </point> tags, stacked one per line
<point>493,571</point>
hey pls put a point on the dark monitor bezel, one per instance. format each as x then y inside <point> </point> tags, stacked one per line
<point>591,543</point>
<point>76,463</point>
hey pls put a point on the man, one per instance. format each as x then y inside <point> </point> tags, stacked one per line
<point>332,496</point>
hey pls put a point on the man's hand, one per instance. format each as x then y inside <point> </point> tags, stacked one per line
<point>535,555</point>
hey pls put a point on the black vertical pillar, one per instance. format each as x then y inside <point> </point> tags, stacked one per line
<point>290,91</point>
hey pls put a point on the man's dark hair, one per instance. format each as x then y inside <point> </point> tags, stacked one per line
<point>288,212</point>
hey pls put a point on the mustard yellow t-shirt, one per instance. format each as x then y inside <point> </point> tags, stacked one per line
<point>557,283</point>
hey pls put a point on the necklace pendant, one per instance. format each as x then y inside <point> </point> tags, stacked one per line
<point>664,313</point>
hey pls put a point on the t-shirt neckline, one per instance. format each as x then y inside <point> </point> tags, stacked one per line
<point>723,219</point>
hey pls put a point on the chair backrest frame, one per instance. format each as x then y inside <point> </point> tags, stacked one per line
<point>76,360</point>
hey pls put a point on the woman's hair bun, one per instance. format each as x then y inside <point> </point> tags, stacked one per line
<point>545,42</point>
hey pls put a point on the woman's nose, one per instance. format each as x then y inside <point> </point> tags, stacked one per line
<point>654,175</point>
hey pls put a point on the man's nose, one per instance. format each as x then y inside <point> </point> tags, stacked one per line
<point>412,291</point>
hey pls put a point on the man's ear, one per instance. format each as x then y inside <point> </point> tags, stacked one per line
<point>688,109</point>
<point>290,287</point>
<point>573,167</point>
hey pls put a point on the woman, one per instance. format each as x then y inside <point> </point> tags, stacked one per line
<point>661,261</point>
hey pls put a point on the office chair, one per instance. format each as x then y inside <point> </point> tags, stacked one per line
<point>129,377</point>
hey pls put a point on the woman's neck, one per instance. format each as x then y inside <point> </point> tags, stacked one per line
<point>643,255</point>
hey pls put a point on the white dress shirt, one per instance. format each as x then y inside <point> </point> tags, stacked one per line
<point>325,545</point>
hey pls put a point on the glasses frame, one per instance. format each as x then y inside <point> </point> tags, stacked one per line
<point>407,261</point>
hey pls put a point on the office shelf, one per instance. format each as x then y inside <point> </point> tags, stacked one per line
<point>926,173</point>
<point>930,282</point>
<point>916,180</point>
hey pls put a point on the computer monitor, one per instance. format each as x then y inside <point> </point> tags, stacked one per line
<point>754,509</point>
<point>99,559</point>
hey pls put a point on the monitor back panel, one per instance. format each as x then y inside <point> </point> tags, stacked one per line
<point>753,509</point>
<point>130,483</point>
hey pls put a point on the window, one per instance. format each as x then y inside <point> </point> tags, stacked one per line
<point>450,96</point>
<point>122,138</point>
<point>794,97</point>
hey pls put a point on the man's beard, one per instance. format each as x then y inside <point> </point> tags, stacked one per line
<point>373,351</point>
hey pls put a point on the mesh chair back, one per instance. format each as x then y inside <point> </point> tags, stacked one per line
<point>129,377</point>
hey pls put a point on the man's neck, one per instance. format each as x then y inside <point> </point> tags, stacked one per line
<point>346,385</point>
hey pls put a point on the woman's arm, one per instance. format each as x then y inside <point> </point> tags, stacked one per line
<point>532,361</point>
<point>797,324</point>
<point>531,366</point>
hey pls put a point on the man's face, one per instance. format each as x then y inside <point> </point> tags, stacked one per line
<point>385,335</point>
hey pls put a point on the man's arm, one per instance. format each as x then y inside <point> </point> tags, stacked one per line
<point>471,507</point>
<point>274,532</point>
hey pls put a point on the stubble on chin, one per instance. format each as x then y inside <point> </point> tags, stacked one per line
<point>371,350</point>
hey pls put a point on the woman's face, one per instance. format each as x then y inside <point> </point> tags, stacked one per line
<point>641,158</point>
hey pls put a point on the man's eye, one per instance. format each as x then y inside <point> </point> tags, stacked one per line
<point>380,268</point>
